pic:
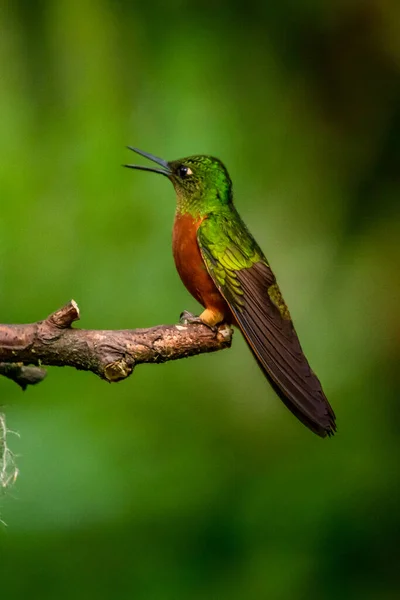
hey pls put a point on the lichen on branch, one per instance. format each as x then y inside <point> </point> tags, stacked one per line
<point>8,468</point>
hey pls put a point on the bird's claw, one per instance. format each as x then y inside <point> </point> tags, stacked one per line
<point>187,318</point>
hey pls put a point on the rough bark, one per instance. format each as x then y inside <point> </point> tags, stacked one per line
<point>110,354</point>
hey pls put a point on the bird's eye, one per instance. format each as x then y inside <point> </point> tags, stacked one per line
<point>184,171</point>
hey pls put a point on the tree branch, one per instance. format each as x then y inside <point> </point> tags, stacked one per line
<point>22,375</point>
<point>112,355</point>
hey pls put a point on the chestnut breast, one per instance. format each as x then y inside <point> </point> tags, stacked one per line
<point>190,264</point>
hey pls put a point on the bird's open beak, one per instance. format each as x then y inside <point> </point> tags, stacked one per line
<point>163,163</point>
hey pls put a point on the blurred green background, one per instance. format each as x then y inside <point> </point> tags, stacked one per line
<point>191,480</point>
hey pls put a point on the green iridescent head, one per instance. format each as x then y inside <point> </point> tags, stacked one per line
<point>201,182</point>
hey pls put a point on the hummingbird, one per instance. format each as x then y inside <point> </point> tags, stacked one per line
<point>225,270</point>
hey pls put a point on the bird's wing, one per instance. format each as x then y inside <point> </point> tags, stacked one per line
<point>244,278</point>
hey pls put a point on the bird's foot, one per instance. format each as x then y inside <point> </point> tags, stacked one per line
<point>187,318</point>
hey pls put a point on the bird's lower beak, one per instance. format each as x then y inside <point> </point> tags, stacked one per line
<point>166,170</point>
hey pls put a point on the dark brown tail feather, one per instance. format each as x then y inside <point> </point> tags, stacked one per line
<point>276,347</point>
<point>321,430</point>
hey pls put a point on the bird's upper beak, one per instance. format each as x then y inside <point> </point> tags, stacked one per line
<point>163,163</point>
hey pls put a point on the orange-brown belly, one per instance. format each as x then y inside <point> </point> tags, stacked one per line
<point>191,267</point>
